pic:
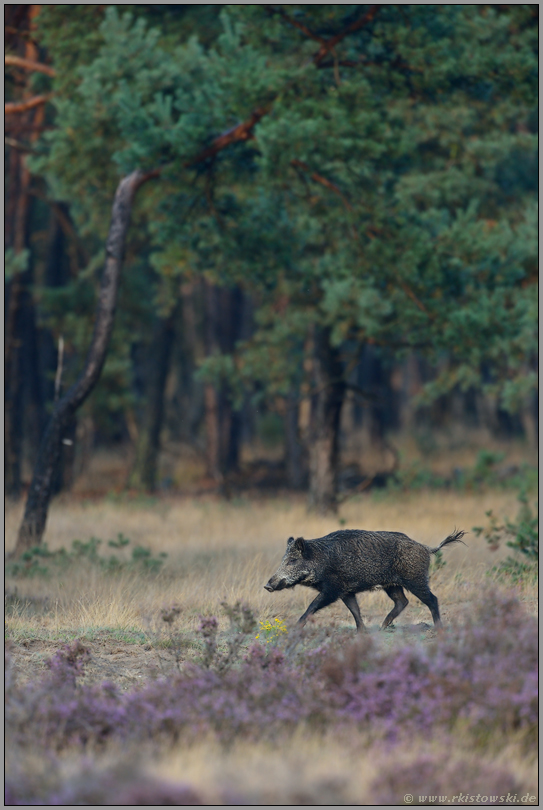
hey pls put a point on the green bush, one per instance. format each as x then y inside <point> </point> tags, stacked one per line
<point>32,562</point>
<point>523,537</point>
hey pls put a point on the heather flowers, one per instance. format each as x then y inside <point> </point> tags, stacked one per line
<point>481,674</point>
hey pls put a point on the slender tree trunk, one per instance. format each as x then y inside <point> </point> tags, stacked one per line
<point>188,404</point>
<point>224,318</point>
<point>294,451</point>
<point>19,317</point>
<point>233,447</point>
<point>40,492</point>
<point>144,474</point>
<point>17,232</point>
<point>229,331</point>
<point>211,394</point>
<point>34,404</point>
<point>211,405</point>
<point>329,387</point>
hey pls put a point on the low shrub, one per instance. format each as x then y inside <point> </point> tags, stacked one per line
<point>40,561</point>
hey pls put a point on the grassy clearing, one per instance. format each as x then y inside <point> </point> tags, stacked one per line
<point>226,551</point>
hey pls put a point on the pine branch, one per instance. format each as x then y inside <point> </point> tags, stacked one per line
<point>12,107</point>
<point>318,178</point>
<point>330,44</point>
<point>241,132</point>
<point>244,131</point>
<point>295,24</point>
<point>29,64</point>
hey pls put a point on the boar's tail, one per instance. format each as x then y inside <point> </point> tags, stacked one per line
<point>455,537</point>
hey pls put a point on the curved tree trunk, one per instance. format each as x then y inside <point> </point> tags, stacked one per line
<point>41,488</point>
<point>324,430</point>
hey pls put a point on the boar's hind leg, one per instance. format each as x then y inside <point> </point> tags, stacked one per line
<point>426,596</point>
<point>321,601</point>
<point>350,601</point>
<point>400,603</point>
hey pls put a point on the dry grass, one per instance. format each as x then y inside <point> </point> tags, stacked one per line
<point>307,769</point>
<point>227,550</point>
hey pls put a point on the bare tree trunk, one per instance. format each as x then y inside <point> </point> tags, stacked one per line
<point>329,387</point>
<point>39,495</point>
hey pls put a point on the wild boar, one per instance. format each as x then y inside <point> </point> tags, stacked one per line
<point>350,561</point>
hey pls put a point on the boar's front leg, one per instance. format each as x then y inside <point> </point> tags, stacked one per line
<point>322,600</point>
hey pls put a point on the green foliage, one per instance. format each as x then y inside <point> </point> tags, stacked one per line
<point>389,192</point>
<point>40,561</point>
<point>270,429</point>
<point>524,539</point>
<point>15,263</point>
<point>485,472</point>
<point>482,472</point>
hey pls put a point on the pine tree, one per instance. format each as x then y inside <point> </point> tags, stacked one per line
<point>365,172</point>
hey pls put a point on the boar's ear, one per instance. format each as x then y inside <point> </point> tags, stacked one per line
<point>290,541</point>
<point>299,545</point>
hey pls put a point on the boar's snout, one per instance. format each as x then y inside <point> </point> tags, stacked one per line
<point>275,584</point>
